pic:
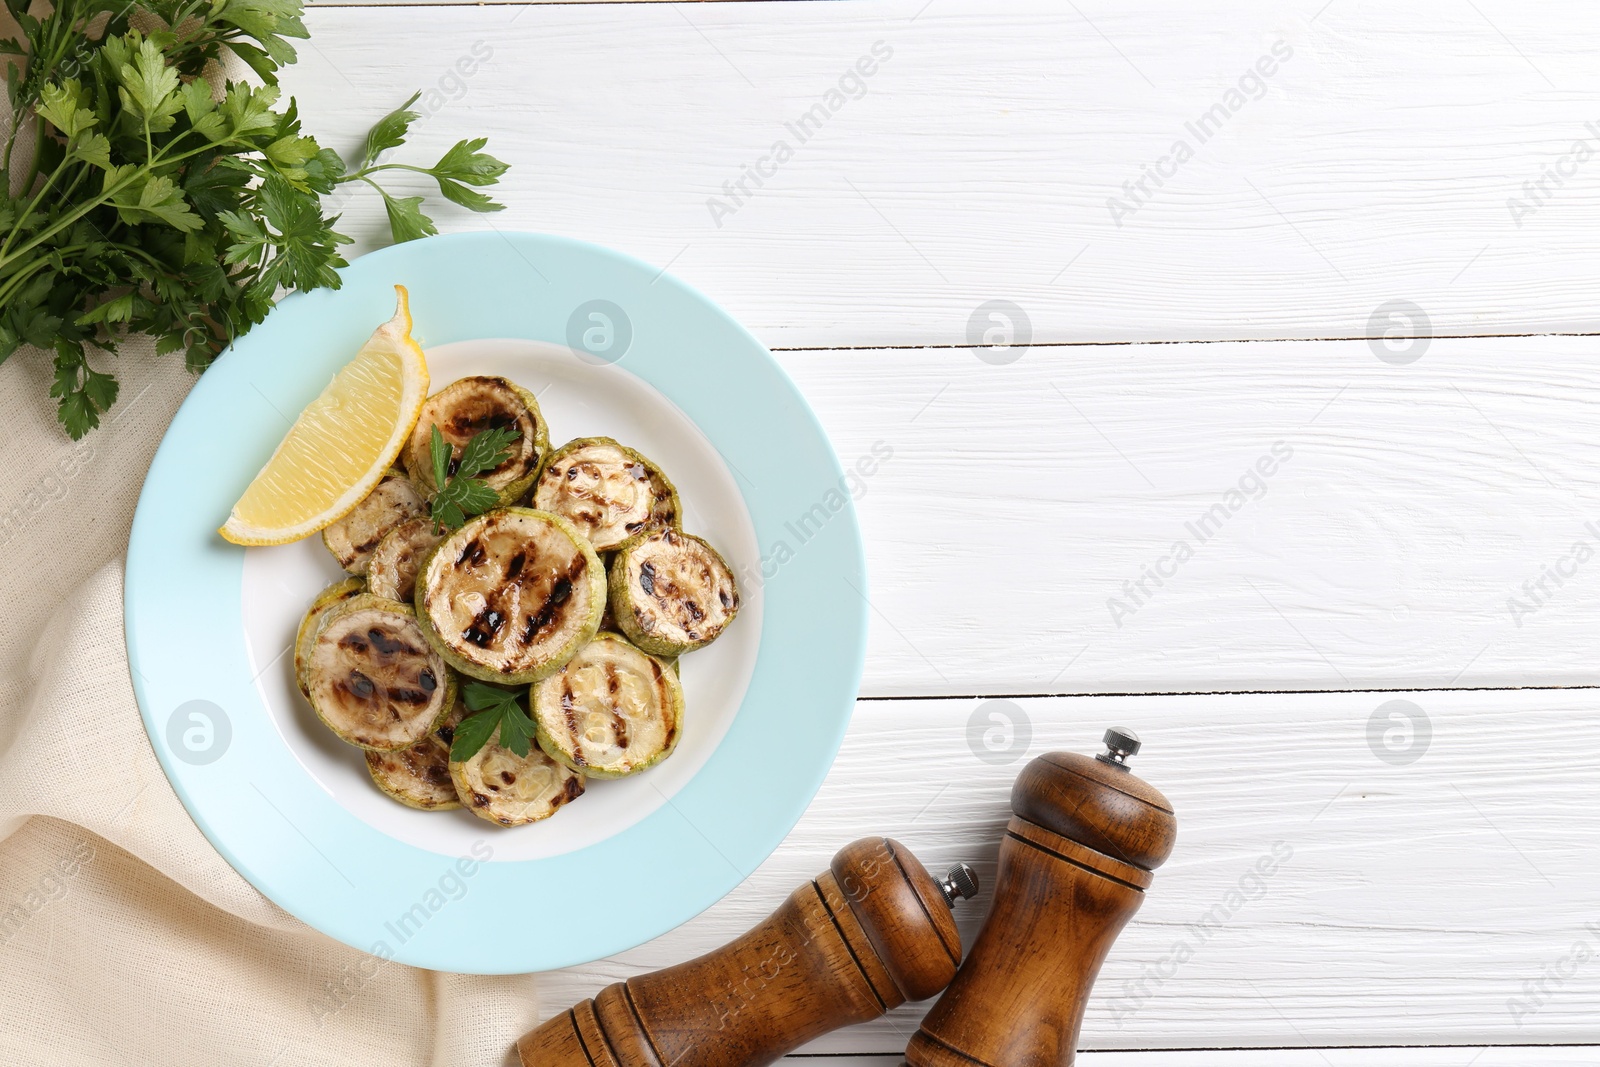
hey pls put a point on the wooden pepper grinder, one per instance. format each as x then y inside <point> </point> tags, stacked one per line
<point>868,934</point>
<point>1074,864</point>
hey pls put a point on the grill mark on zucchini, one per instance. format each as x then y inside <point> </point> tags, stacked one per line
<point>658,678</point>
<point>511,790</point>
<point>670,592</point>
<point>572,720</point>
<point>366,547</point>
<point>370,682</point>
<point>478,416</point>
<point>510,596</point>
<point>609,491</point>
<point>485,627</point>
<point>418,777</point>
<point>435,773</point>
<point>611,711</point>
<point>469,406</point>
<point>353,538</point>
<point>487,624</point>
<point>472,554</point>
<point>392,567</point>
<point>560,593</point>
<point>387,645</point>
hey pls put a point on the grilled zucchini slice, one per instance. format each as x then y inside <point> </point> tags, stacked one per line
<point>671,592</point>
<point>419,776</point>
<point>609,491</point>
<point>352,538</point>
<point>469,406</point>
<point>610,712</point>
<point>392,571</point>
<point>498,785</point>
<point>511,595</point>
<point>335,594</point>
<point>373,678</point>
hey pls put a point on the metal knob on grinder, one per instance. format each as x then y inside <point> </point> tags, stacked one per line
<point>1077,856</point>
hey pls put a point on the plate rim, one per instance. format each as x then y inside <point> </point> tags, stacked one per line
<point>779,818</point>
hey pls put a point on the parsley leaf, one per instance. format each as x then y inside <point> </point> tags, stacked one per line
<point>486,451</point>
<point>406,220</point>
<point>494,709</point>
<point>460,499</point>
<point>462,494</point>
<point>439,453</point>
<point>465,164</point>
<point>389,131</point>
<point>158,204</point>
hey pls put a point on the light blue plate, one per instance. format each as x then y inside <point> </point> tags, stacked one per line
<point>287,832</point>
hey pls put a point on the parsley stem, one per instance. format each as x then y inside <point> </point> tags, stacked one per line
<point>33,166</point>
<point>49,180</point>
<point>364,171</point>
<point>7,254</point>
<point>9,287</point>
<point>83,171</point>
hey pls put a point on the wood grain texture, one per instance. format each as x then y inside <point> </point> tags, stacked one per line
<point>1021,992</point>
<point>1073,868</point>
<point>1459,1056</point>
<point>1441,901</point>
<point>1385,551</point>
<point>1376,164</point>
<point>1421,496</point>
<point>1439,155</point>
<point>858,939</point>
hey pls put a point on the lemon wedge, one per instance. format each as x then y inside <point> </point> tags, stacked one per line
<point>342,443</point>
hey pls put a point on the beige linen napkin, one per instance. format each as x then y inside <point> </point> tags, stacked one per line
<point>124,936</point>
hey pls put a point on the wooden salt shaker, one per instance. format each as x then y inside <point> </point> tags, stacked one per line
<point>868,934</point>
<point>1075,862</point>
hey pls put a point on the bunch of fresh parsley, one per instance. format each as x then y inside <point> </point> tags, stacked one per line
<point>460,492</point>
<point>492,709</point>
<point>155,204</point>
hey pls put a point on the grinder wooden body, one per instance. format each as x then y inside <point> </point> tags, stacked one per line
<point>1075,861</point>
<point>868,934</point>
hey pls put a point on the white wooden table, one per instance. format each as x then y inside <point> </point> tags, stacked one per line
<point>1207,222</point>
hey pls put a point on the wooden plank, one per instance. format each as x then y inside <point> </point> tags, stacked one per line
<point>1385,1056</point>
<point>1438,901</point>
<point>1390,548</point>
<point>978,160</point>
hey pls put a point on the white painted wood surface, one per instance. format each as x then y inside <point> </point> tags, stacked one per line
<point>1417,900</point>
<point>1378,165</point>
<point>1386,550</point>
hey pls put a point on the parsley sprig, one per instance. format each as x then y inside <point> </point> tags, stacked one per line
<point>158,204</point>
<point>493,709</point>
<point>461,493</point>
